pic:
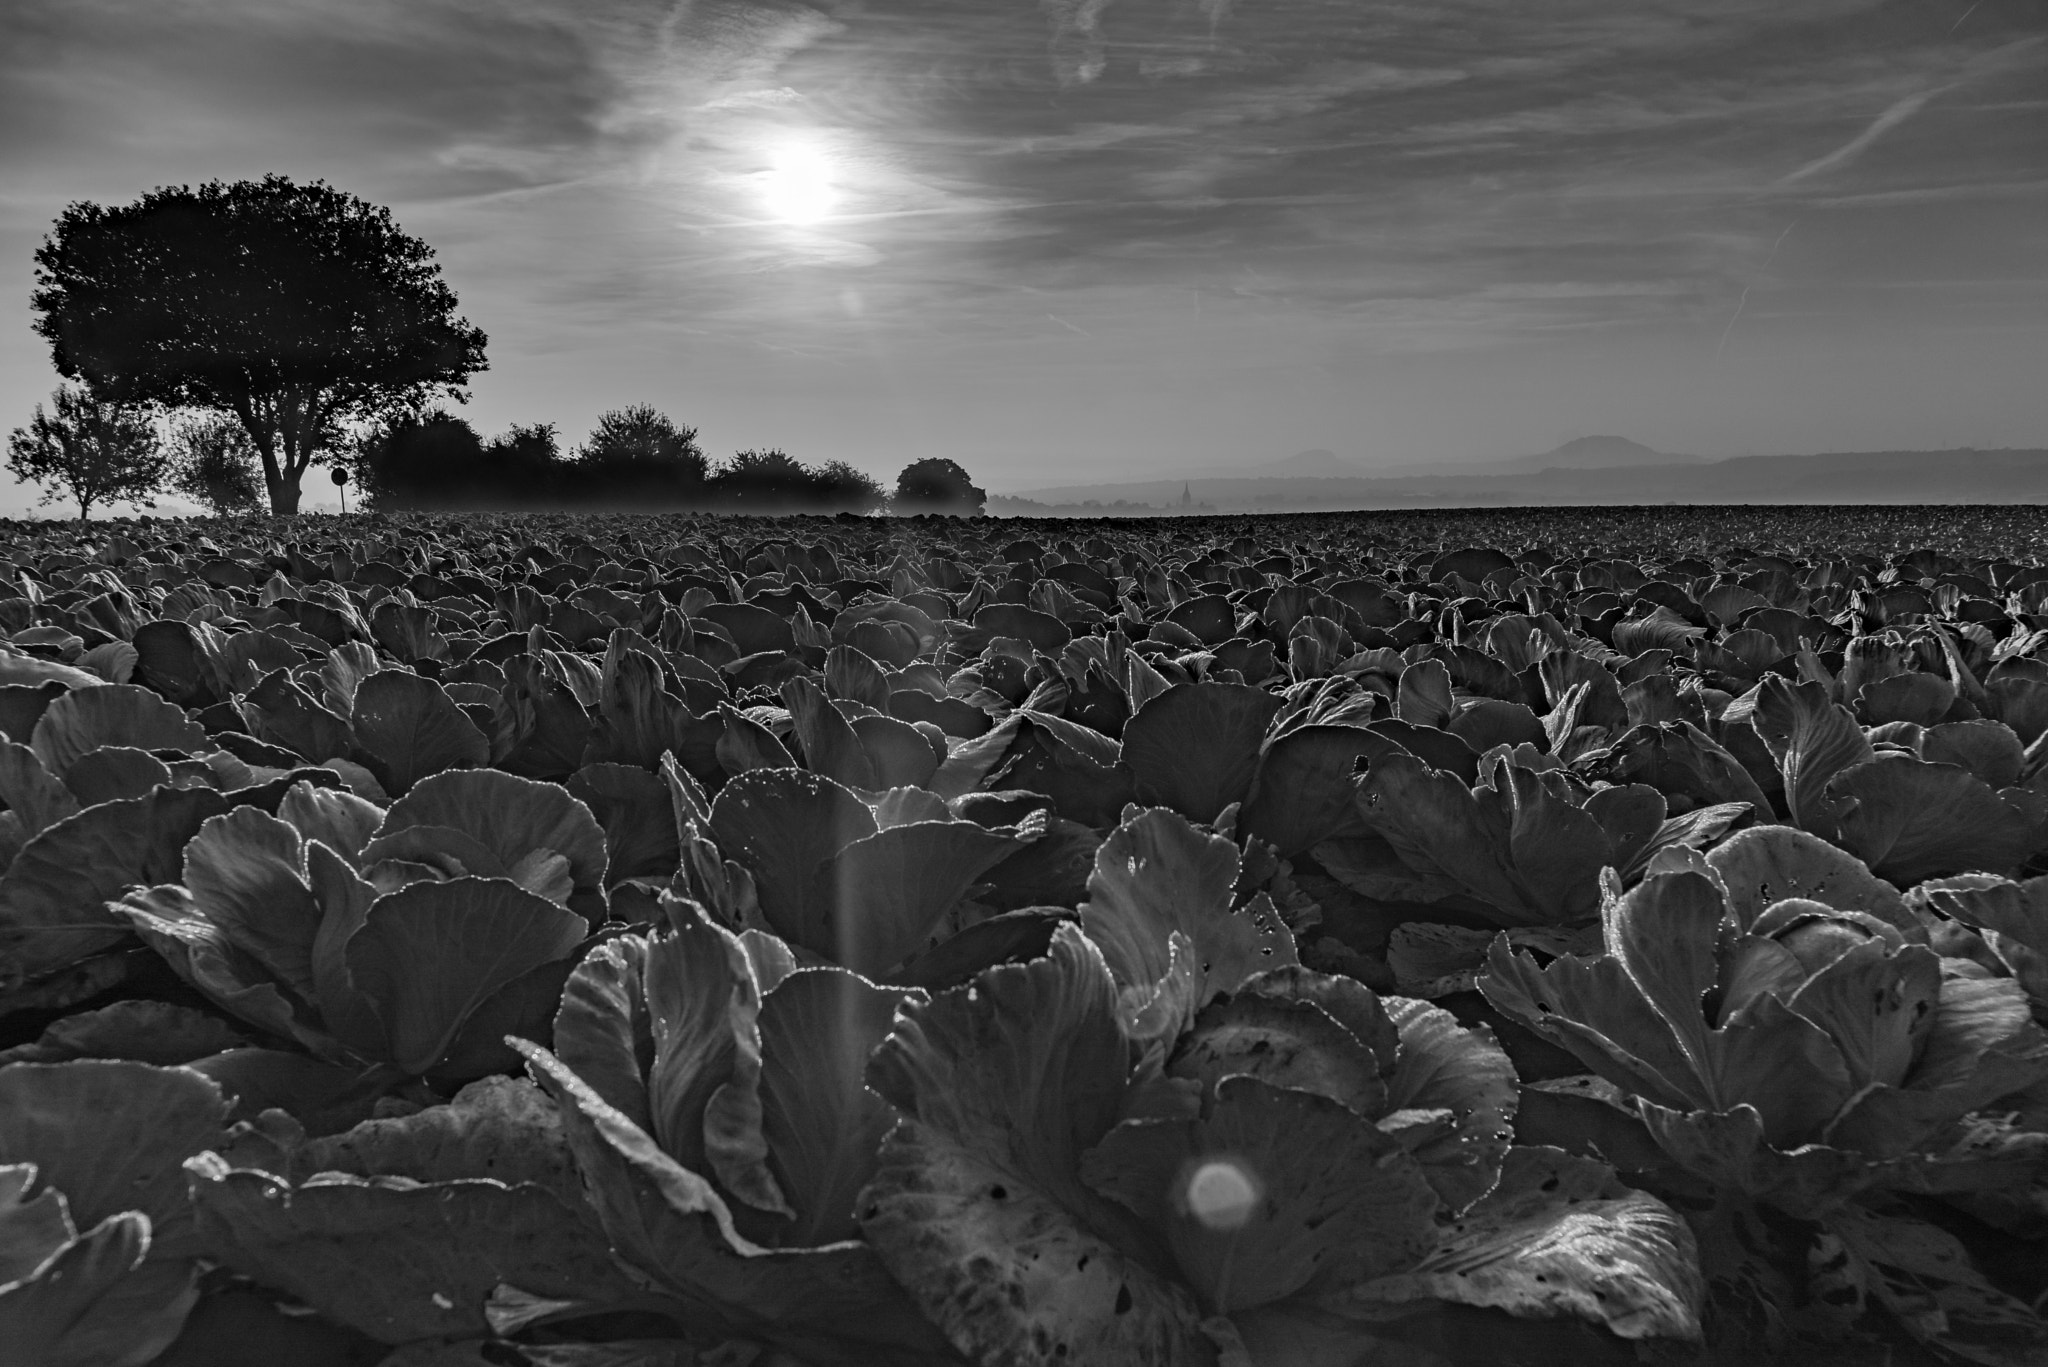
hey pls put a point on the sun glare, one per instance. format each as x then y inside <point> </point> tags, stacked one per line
<point>797,186</point>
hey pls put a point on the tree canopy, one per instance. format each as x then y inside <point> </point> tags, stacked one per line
<point>772,480</point>
<point>430,459</point>
<point>90,449</point>
<point>641,435</point>
<point>298,309</point>
<point>637,458</point>
<point>938,485</point>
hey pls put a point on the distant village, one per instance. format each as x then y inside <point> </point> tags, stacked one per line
<point>1003,505</point>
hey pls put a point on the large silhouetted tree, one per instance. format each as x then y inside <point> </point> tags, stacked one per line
<point>937,485</point>
<point>90,450</point>
<point>299,309</point>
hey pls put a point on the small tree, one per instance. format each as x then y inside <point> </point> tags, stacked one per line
<point>213,462</point>
<point>300,310</point>
<point>845,489</point>
<point>762,479</point>
<point>522,468</point>
<point>531,445</point>
<point>91,450</point>
<point>937,485</point>
<point>641,436</point>
<point>638,457</point>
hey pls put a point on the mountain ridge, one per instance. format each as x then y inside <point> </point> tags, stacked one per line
<point>1961,474</point>
<point>1594,453</point>
<point>1580,453</point>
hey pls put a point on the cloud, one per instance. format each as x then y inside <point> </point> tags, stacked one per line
<point>429,97</point>
<point>1894,115</point>
<point>1077,45</point>
<point>1937,194</point>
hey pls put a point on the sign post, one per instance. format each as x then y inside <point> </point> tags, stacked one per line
<point>340,478</point>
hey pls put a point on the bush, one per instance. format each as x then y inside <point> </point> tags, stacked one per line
<point>526,462</point>
<point>774,481</point>
<point>423,460</point>
<point>845,489</point>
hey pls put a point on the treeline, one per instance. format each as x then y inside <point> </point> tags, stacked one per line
<point>635,458</point>
<point>92,452</point>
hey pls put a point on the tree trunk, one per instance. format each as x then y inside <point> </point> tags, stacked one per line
<point>284,497</point>
<point>287,427</point>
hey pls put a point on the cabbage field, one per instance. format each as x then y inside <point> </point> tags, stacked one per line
<point>1384,940</point>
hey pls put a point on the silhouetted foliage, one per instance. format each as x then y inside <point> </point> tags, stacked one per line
<point>534,444</point>
<point>769,471</point>
<point>438,460</point>
<point>845,489</point>
<point>432,459</point>
<point>636,458</point>
<point>90,449</point>
<point>299,309</point>
<point>773,481</point>
<point>642,435</point>
<point>937,485</point>
<point>524,461</point>
<point>213,462</point>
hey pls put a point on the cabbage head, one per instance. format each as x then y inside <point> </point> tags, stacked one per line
<point>1298,1171</point>
<point>712,1094</point>
<point>1808,1056</point>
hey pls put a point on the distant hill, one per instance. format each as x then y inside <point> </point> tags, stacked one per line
<point>1581,453</point>
<point>1966,475</point>
<point>1594,453</point>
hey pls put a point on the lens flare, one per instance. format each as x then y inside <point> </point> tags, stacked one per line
<point>1222,1195</point>
<point>798,185</point>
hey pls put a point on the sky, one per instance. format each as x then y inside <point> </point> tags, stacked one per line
<point>1059,240</point>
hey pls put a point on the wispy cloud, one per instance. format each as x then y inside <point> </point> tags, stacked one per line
<point>1894,115</point>
<point>1936,194</point>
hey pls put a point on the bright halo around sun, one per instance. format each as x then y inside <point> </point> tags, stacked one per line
<point>797,187</point>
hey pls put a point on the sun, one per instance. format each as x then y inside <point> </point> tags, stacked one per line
<point>797,187</point>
